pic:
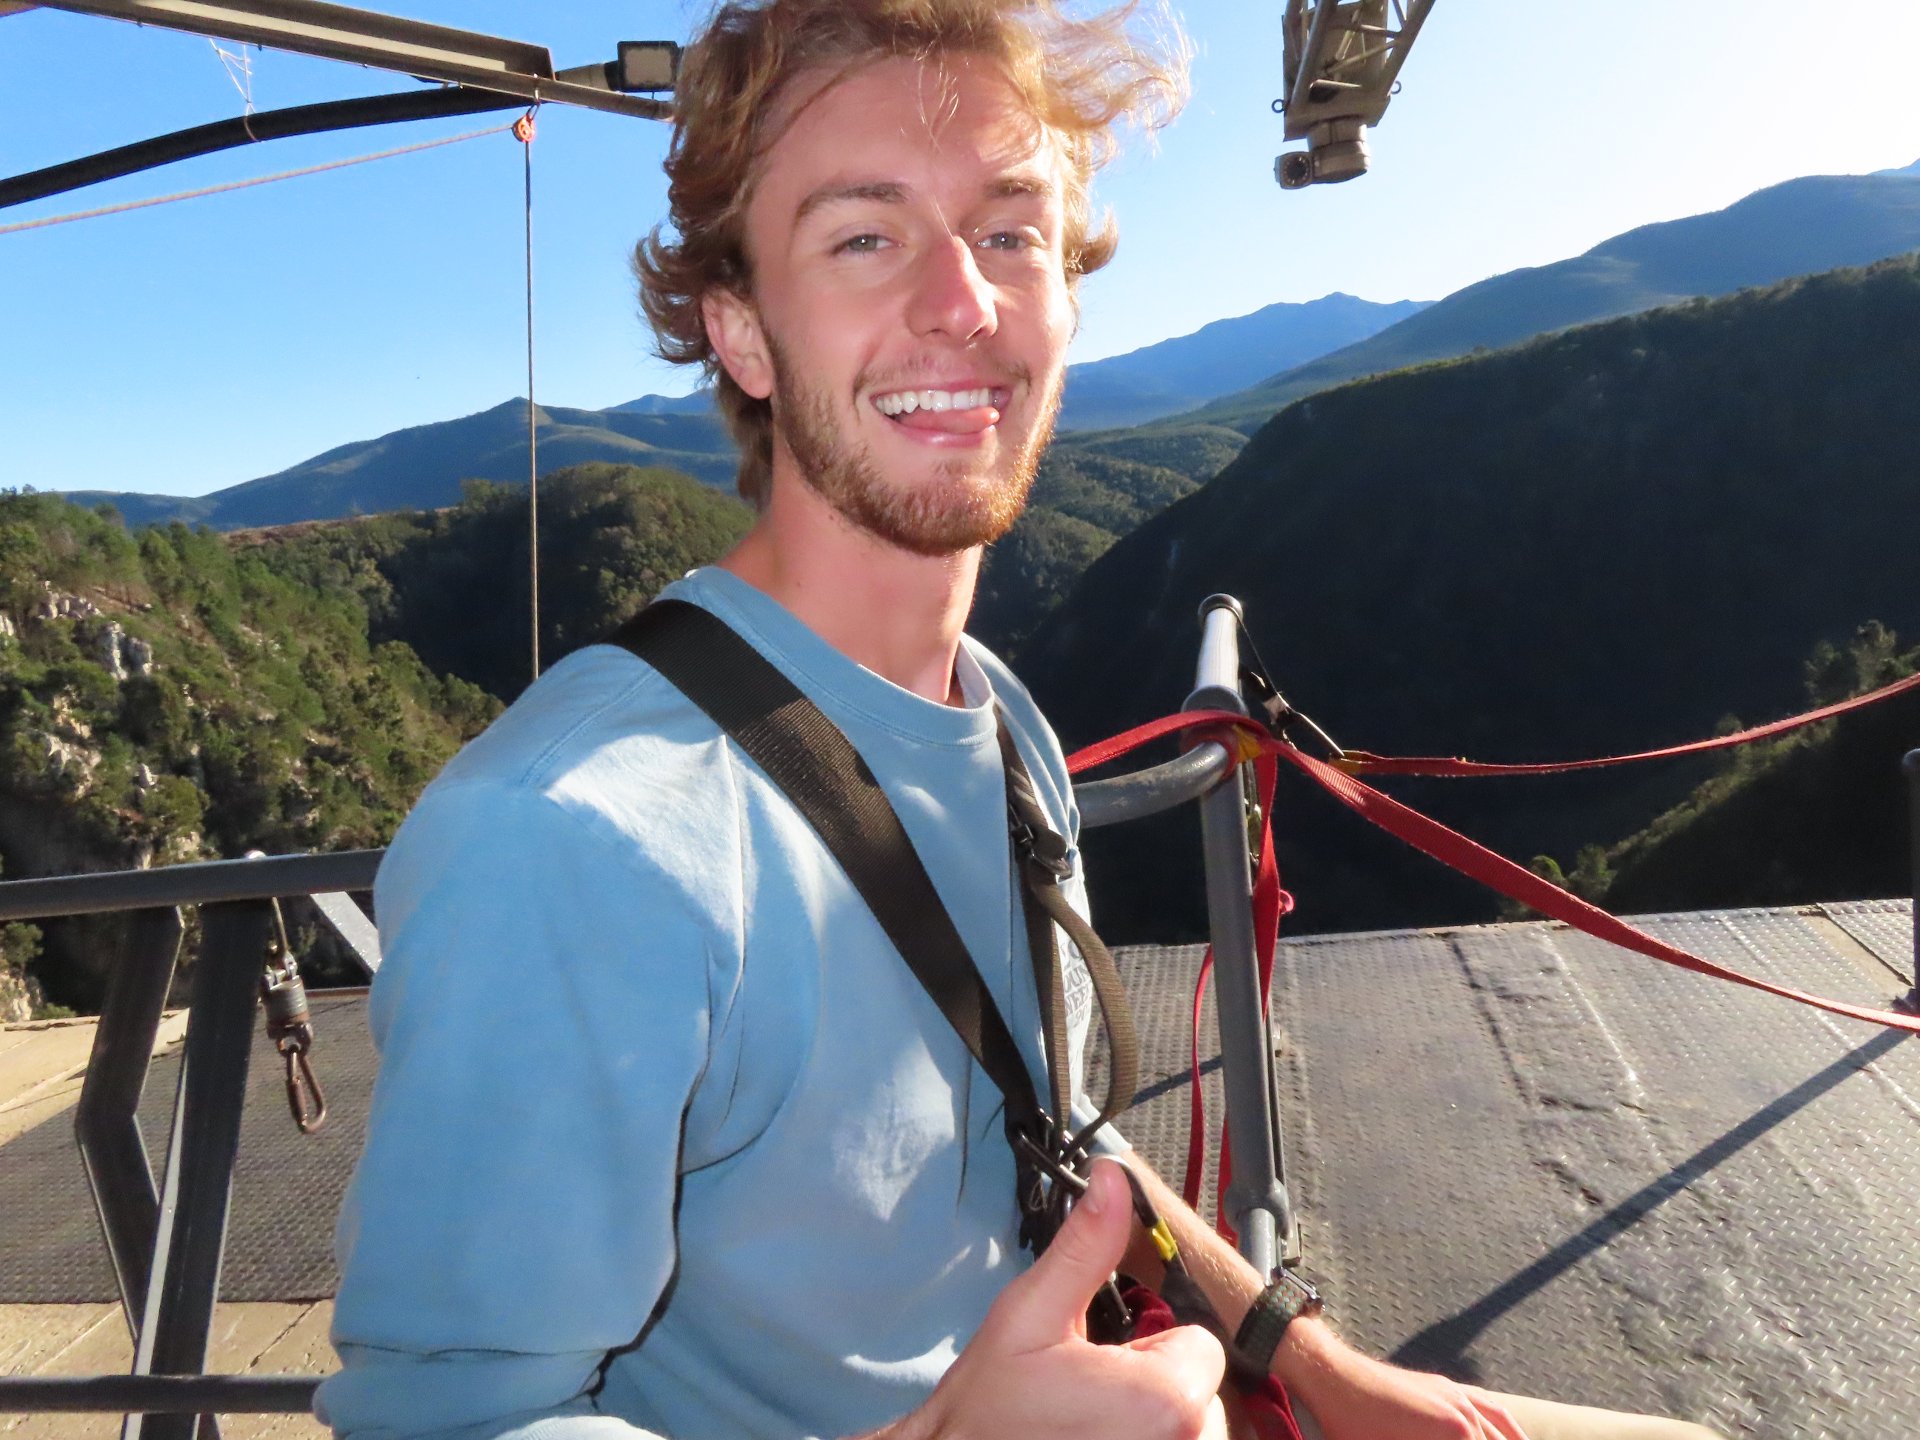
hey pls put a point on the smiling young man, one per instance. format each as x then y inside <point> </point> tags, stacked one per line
<point>667,1138</point>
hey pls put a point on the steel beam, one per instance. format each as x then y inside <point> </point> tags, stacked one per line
<point>178,1318</point>
<point>198,884</point>
<point>106,1121</point>
<point>160,1394</point>
<point>351,924</point>
<point>386,42</point>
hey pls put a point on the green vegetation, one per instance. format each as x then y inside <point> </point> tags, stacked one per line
<point>1082,502</point>
<point>453,584</point>
<point>169,696</point>
<point>1820,814</point>
<point>1198,452</point>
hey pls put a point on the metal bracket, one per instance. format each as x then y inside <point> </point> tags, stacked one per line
<point>386,42</point>
<point>1342,64</point>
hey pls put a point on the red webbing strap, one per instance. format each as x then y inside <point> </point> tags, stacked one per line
<point>1479,863</point>
<point>1363,762</point>
<point>1196,1102</point>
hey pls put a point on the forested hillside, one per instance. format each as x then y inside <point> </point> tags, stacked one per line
<point>166,697</point>
<point>454,584</point>
<point>1819,815</point>
<point>1606,540</point>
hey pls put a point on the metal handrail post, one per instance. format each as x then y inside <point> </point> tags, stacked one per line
<point>1256,1201</point>
<point>1911,764</point>
<point>194,1199</point>
<point>106,1121</point>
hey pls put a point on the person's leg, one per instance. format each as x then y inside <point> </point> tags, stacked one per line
<point>1550,1420</point>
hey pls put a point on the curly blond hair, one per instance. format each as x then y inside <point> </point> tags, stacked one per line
<point>1080,76</point>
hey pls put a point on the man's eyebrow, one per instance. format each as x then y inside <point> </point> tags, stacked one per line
<point>887,192</point>
<point>1014,187</point>
<point>892,192</point>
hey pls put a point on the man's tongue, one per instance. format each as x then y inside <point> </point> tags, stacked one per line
<point>950,422</point>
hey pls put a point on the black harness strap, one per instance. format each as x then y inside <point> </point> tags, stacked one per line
<point>813,763</point>
<point>1042,853</point>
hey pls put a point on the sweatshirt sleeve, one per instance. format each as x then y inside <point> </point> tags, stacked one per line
<point>542,1019</point>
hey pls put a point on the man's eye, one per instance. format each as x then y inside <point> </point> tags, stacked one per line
<point>1007,240</point>
<point>860,245</point>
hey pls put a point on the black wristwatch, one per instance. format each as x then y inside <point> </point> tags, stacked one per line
<point>1286,1298</point>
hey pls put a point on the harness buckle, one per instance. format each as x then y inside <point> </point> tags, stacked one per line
<point>1043,850</point>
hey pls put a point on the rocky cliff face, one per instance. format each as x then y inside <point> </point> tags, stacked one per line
<point>167,697</point>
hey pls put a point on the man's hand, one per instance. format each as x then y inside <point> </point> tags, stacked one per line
<point>1030,1369</point>
<point>1355,1397</point>
<point>1352,1396</point>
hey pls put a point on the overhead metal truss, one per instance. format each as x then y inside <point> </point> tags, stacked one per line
<point>1342,64</point>
<point>412,47</point>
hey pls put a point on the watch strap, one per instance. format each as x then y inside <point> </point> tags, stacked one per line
<point>1285,1299</point>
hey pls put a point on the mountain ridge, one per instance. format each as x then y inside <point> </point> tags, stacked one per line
<point>422,466</point>
<point>1798,227</point>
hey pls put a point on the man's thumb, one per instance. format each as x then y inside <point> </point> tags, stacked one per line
<point>1046,1304</point>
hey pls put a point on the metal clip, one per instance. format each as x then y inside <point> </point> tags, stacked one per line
<point>290,1028</point>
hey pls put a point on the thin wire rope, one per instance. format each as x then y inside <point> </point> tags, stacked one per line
<point>243,184</point>
<point>533,442</point>
<point>239,67</point>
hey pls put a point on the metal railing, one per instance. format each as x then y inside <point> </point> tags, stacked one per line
<point>166,1241</point>
<point>1911,765</point>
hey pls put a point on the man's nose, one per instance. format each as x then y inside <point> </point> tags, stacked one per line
<point>950,296</point>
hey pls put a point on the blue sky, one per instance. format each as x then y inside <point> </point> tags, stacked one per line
<point>193,346</point>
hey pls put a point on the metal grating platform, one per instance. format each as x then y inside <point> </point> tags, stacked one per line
<point>286,1187</point>
<point>1520,1156</point>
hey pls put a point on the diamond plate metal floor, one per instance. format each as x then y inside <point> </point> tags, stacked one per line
<point>1534,1161</point>
<point>1520,1156</point>
<point>286,1187</point>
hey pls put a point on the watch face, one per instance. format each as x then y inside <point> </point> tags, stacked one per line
<point>1307,1298</point>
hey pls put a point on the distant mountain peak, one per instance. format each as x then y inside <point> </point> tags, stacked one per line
<point>1221,356</point>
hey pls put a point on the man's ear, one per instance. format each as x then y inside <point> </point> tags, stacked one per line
<point>734,330</point>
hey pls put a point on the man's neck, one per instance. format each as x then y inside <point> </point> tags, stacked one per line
<point>895,612</point>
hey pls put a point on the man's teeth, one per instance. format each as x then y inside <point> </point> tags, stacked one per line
<point>905,402</point>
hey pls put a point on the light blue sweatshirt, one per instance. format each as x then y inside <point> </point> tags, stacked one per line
<point>651,1072</point>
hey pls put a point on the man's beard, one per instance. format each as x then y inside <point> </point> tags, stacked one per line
<point>962,505</point>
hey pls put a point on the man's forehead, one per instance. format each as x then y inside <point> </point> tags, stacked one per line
<point>843,133</point>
